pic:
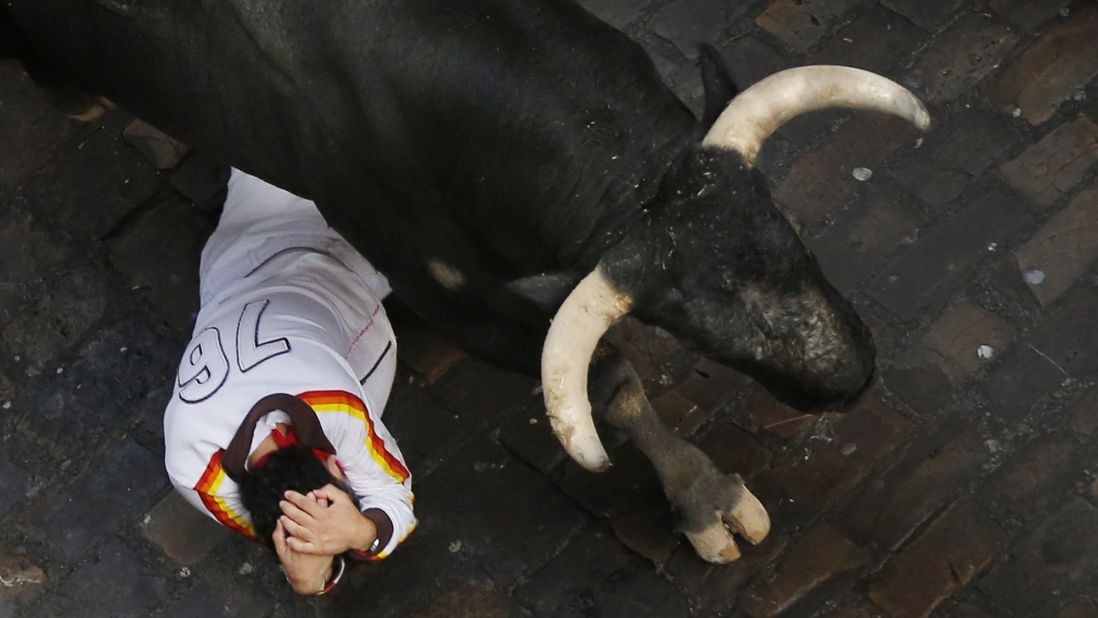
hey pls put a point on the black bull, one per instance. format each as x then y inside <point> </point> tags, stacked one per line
<point>487,155</point>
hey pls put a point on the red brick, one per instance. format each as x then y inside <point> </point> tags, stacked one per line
<point>821,556</point>
<point>957,335</point>
<point>928,14</point>
<point>679,414</point>
<point>734,451</point>
<point>630,481</point>
<point>840,452</point>
<point>180,531</point>
<point>1084,413</point>
<point>648,529</point>
<point>1064,247</point>
<point>890,510</point>
<point>659,359</point>
<point>1058,65</point>
<point>1051,168</point>
<point>750,60</point>
<point>764,415</point>
<point>1055,559</point>
<point>711,385</point>
<point>1064,345</point>
<point>945,255</point>
<point>918,377</point>
<point>962,55</point>
<point>820,182</point>
<point>160,149</point>
<point>876,41</point>
<point>719,586</point>
<point>948,555</point>
<point>850,251</point>
<point>800,23</point>
<point>1038,473</point>
<point>953,155</point>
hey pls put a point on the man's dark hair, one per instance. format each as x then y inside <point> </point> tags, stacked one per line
<point>293,467</point>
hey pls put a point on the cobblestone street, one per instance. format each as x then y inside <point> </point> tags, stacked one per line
<point>964,484</point>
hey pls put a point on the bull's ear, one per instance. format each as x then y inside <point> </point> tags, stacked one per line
<point>716,81</point>
<point>547,291</point>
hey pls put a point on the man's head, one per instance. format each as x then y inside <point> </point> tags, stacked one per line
<point>294,467</point>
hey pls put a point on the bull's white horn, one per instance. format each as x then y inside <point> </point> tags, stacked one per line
<point>758,111</point>
<point>580,322</point>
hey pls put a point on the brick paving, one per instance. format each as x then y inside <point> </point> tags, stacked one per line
<point>965,484</point>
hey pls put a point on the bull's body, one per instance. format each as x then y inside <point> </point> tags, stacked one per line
<point>488,155</point>
<point>439,142</point>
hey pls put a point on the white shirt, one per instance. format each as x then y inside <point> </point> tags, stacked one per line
<point>287,307</point>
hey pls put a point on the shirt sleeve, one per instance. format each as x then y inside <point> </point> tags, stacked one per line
<point>374,467</point>
<point>216,495</point>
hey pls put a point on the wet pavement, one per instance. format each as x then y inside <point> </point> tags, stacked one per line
<point>964,484</point>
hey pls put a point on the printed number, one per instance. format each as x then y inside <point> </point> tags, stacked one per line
<point>204,367</point>
<point>249,351</point>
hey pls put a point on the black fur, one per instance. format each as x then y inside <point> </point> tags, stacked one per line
<point>717,81</point>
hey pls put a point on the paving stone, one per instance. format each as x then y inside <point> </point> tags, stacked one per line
<point>821,181</point>
<point>890,509</point>
<point>134,589</point>
<point>648,529</point>
<point>1054,68</point>
<point>93,187</point>
<point>927,14</point>
<point>1084,413</point>
<point>679,414</point>
<point>58,319</point>
<point>164,267</point>
<point>1039,473</point>
<point>631,480</point>
<point>1084,607</point>
<point>223,591</point>
<point>1051,168</point>
<point>618,13</point>
<point>718,587</point>
<point>944,559</point>
<point>14,483</point>
<point>425,431</point>
<point>481,393</point>
<point>957,336</point>
<point>839,454</point>
<point>502,513</point>
<point>850,606</point>
<point>103,500</point>
<point>23,582</point>
<point>685,23</point>
<point>202,181</point>
<point>528,435</point>
<point>876,41</point>
<point>469,601</point>
<point>1063,248</point>
<point>426,353</point>
<point>801,23</point>
<point>952,156</point>
<point>117,377</point>
<point>594,577</point>
<point>32,132</point>
<point>821,556</point>
<point>29,252</point>
<point>180,531</point>
<point>850,251</point>
<point>1059,556</point>
<point>945,255</point>
<point>658,358</point>
<point>160,149</point>
<point>761,414</point>
<point>919,379</point>
<point>962,55</point>
<point>1063,347</point>
<point>735,451</point>
<point>750,60</point>
<point>1027,14</point>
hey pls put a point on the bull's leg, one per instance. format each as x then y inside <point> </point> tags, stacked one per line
<point>711,504</point>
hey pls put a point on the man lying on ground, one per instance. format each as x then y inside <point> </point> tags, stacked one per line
<point>274,426</point>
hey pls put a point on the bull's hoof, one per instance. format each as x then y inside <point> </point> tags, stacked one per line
<point>745,515</point>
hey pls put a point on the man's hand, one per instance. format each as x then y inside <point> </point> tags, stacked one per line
<point>307,573</point>
<point>325,522</point>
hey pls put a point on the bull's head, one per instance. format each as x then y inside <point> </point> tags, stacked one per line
<point>716,264</point>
